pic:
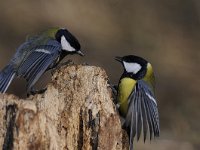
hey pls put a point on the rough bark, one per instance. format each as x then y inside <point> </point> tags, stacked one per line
<point>76,112</point>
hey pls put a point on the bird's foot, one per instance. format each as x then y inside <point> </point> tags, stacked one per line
<point>34,91</point>
<point>69,62</point>
<point>85,64</point>
<point>114,91</point>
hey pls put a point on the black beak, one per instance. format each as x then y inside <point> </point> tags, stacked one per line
<point>118,59</point>
<point>80,53</point>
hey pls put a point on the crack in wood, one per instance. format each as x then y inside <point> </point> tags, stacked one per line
<point>10,120</point>
<point>94,124</point>
<point>80,139</point>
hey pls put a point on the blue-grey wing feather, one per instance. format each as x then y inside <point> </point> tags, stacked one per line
<point>150,99</point>
<point>38,71</point>
<point>142,112</point>
<point>38,61</point>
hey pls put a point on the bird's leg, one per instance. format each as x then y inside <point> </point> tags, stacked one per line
<point>34,91</point>
<point>114,91</point>
<point>58,65</point>
<point>85,64</point>
<point>69,62</point>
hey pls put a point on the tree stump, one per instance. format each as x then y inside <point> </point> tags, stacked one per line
<point>76,112</point>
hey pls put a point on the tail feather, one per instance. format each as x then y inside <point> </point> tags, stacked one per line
<point>6,77</point>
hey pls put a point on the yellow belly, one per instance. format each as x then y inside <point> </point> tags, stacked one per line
<point>125,88</point>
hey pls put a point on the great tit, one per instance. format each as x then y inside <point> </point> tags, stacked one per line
<point>136,100</point>
<point>38,54</point>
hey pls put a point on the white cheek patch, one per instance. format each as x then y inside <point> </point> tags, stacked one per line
<point>65,45</point>
<point>132,67</point>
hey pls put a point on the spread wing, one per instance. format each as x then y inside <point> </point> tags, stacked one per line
<point>142,113</point>
<point>38,61</point>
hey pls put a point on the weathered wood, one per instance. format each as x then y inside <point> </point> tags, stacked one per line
<point>76,112</point>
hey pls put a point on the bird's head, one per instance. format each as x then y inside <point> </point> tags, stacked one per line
<point>68,42</point>
<point>134,66</point>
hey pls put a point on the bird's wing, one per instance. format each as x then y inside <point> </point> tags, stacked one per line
<point>142,112</point>
<point>37,62</point>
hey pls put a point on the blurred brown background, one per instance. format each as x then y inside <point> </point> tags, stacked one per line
<point>167,33</point>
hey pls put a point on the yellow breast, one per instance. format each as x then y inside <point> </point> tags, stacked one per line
<point>125,88</point>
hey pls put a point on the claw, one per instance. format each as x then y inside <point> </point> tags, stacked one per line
<point>114,91</point>
<point>60,65</point>
<point>34,92</point>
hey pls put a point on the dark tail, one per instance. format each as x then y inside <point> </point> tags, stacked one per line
<point>6,77</point>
